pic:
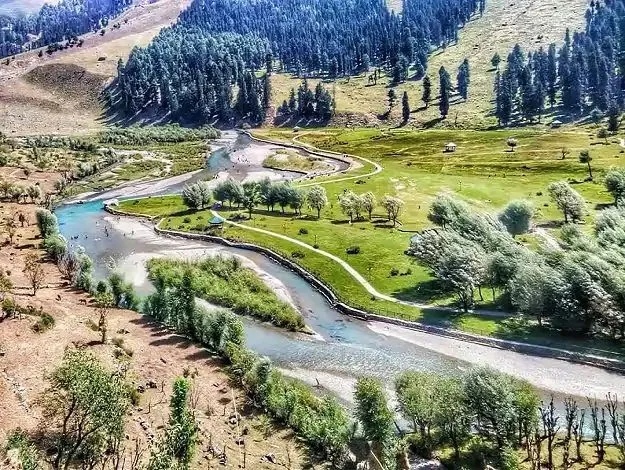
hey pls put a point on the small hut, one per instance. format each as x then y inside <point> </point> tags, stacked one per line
<point>450,147</point>
<point>555,124</point>
<point>217,222</point>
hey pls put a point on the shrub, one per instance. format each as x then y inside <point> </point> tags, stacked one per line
<point>187,220</point>
<point>47,222</point>
<point>298,254</point>
<point>353,250</point>
<point>394,272</point>
<point>134,396</point>
<point>56,246</point>
<point>303,231</point>
<point>44,323</point>
<point>101,288</point>
<point>29,457</point>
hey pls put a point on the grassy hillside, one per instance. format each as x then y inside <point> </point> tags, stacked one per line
<point>35,108</point>
<point>57,94</point>
<point>528,22</point>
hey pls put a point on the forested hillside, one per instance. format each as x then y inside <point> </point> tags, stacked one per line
<point>54,23</point>
<point>216,45</point>
<point>584,76</point>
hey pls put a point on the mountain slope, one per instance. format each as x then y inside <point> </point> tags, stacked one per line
<point>531,23</point>
<point>55,102</point>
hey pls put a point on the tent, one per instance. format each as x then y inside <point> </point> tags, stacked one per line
<point>217,221</point>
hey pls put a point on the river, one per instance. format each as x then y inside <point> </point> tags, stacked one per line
<point>344,348</point>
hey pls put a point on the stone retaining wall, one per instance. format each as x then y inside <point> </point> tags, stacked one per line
<point>329,294</point>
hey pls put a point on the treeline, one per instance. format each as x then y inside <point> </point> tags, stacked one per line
<point>54,23</point>
<point>576,288</point>
<point>194,64</point>
<point>321,422</point>
<point>586,73</point>
<point>171,133</point>
<point>487,419</point>
<point>305,103</point>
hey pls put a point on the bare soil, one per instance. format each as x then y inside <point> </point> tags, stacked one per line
<point>157,356</point>
<point>59,93</point>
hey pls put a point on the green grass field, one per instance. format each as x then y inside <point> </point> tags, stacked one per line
<point>483,172</point>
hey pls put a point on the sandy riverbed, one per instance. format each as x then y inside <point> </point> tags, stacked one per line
<point>556,375</point>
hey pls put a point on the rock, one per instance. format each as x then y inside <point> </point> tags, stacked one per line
<point>141,389</point>
<point>13,458</point>
<point>239,441</point>
<point>425,464</point>
<point>270,457</point>
<point>152,384</point>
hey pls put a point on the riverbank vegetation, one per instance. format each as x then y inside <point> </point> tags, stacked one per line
<point>478,418</point>
<point>224,281</point>
<point>293,161</point>
<point>107,159</point>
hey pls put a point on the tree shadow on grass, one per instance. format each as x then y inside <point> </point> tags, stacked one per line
<point>424,292</point>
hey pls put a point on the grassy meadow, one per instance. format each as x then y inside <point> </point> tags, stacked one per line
<point>483,171</point>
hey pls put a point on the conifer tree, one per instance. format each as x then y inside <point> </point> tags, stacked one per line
<point>405,107</point>
<point>427,91</point>
<point>445,91</point>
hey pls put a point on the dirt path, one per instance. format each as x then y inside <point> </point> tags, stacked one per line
<point>357,276</point>
<point>378,167</point>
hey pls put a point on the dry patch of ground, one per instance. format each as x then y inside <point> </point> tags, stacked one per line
<point>45,95</point>
<point>155,357</point>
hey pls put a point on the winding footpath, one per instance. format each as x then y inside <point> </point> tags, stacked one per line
<point>344,264</point>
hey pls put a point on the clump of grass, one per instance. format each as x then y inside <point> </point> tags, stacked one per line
<point>44,323</point>
<point>122,349</point>
<point>353,250</point>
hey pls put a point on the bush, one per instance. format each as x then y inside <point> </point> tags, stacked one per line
<point>353,250</point>
<point>47,222</point>
<point>134,396</point>
<point>56,246</point>
<point>394,272</point>
<point>298,254</point>
<point>29,457</point>
<point>44,323</point>
<point>303,231</point>
<point>124,295</point>
<point>187,220</point>
<point>101,288</point>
